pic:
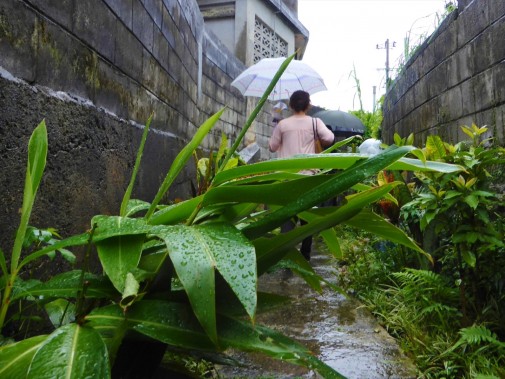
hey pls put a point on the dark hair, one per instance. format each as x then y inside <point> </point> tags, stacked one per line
<point>299,101</point>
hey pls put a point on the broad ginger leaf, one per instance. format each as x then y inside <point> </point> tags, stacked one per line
<point>15,358</point>
<point>60,312</point>
<point>338,184</point>
<point>371,222</point>
<point>69,284</point>
<point>116,226</point>
<point>170,322</point>
<point>270,250</point>
<point>175,324</point>
<point>279,193</point>
<point>196,251</point>
<point>120,256</point>
<point>72,351</point>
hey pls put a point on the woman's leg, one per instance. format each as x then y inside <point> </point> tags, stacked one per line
<point>306,244</point>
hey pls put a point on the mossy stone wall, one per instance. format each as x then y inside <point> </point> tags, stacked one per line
<point>456,78</point>
<point>95,71</point>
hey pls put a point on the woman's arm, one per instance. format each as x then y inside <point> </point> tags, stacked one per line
<point>275,140</point>
<point>326,136</point>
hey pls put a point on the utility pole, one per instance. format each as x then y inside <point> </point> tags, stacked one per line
<point>386,47</point>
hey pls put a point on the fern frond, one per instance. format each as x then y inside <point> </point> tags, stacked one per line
<point>478,334</point>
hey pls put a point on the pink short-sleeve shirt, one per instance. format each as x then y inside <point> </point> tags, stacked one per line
<point>295,135</point>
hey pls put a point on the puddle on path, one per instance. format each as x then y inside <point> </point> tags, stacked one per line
<point>340,331</point>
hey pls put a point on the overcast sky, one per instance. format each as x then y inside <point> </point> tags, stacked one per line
<point>344,33</point>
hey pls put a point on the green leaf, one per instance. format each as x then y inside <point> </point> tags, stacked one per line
<point>295,164</point>
<point>419,154</point>
<point>371,222</point>
<point>131,290</point>
<point>78,240</point>
<point>221,151</point>
<point>120,256</point>
<point>127,195</point>
<point>174,324</point>
<point>68,284</point>
<point>469,258</point>
<point>196,251</point>
<point>15,358</point>
<point>339,144</point>
<point>134,206</point>
<point>153,262</point>
<point>111,323</point>
<point>472,201</point>
<point>329,236</point>
<point>337,161</point>
<point>170,322</point>
<point>435,147</point>
<point>297,263</point>
<point>272,177</point>
<point>37,155</point>
<point>451,194</point>
<point>180,161</point>
<point>203,166</point>
<point>116,226</point>
<point>60,312</point>
<point>21,288</point>
<point>234,213</point>
<point>275,193</point>
<point>409,164</point>
<point>410,139</point>
<point>3,264</point>
<point>270,250</point>
<point>338,184</point>
<point>175,213</point>
<point>72,351</point>
<point>67,255</point>
<point>239,335</point>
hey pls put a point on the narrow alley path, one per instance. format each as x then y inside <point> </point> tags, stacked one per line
<point>340,331</point>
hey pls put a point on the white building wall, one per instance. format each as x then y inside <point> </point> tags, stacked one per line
<point>258,8</point>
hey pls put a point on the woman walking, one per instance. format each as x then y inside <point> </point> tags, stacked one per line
<point>297,134</point>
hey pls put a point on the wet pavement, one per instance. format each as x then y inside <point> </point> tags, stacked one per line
<point>339,330</point>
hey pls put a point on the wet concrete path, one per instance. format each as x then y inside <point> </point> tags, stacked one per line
<point>340,331</point>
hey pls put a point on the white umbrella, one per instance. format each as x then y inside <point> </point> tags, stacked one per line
<point>297,76</point>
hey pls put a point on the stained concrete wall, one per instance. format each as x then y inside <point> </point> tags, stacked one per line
<point>456,78</point>
<point>95,70</point>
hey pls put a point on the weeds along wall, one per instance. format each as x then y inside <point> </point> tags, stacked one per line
<point>95,70</point>
<point>455,78</point>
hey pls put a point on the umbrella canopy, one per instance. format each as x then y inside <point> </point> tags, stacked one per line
<point>297,76</point>
<point>343,122</point>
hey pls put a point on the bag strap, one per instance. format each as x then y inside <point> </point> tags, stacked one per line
<point>314,128</point>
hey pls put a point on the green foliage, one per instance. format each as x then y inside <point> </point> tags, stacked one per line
<point>459,215</point>
<point>186,274</point>
<point>449,316</point>
<point>372,122</point>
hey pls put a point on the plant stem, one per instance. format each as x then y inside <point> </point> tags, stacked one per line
<point>6,298</point>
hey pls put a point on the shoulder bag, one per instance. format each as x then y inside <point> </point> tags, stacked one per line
<point>318,148</point>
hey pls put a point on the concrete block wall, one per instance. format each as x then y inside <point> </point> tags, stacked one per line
<point>456,78</point>
<point>95,70</point>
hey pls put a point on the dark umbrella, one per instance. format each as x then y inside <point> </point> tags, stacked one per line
<point>341,123</point>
